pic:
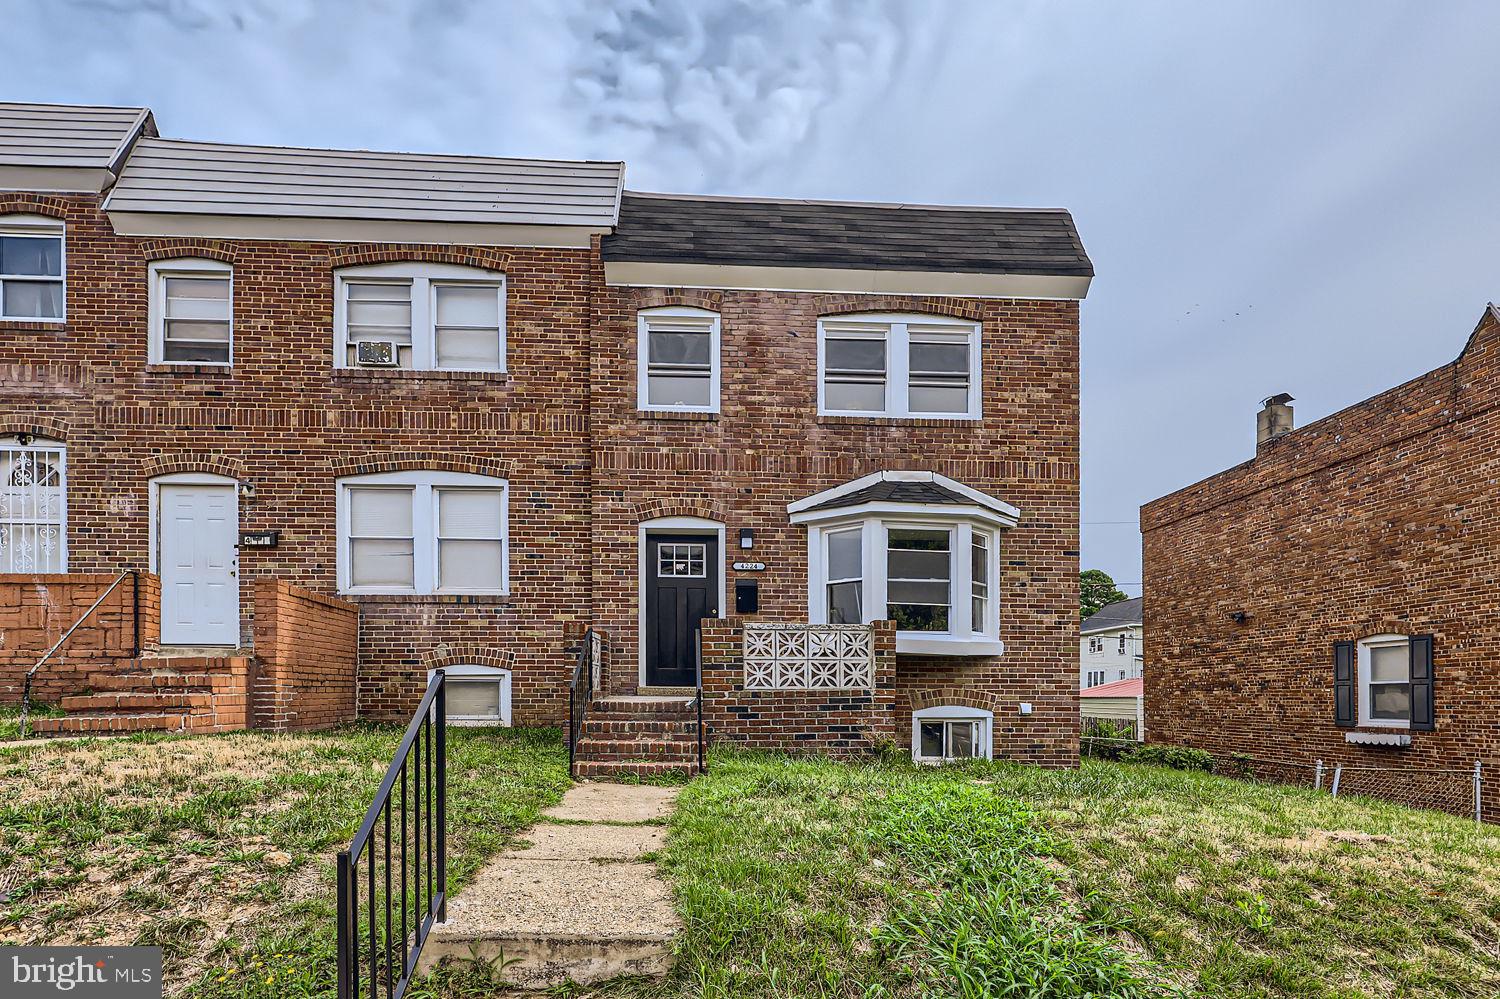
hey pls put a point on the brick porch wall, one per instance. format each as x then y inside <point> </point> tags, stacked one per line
<point>306,645</point>
<point>35,610</point>
<point>843,722</point>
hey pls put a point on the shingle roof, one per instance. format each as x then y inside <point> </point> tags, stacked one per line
<point>1120,614</point>
<point>897,492</point>
<point>66,135</point>
<point>1116,688</point>
<point>663,228</point>
<point>176,176</point>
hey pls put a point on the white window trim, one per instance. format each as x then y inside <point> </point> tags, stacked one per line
<point>953,712</point>
<point>38,225</point>
<point>157,272</point>
<point>960,639</point>
<point>1363,656</point>
<point>643,360</point>
<point>421,277</point>
<point>13,443</point>
<point>425,485</point>
<point>471,672</point>
<point>897,361</point>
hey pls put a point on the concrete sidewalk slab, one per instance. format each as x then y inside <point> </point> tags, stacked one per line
<point>614,803</point>
<point>590,842</point>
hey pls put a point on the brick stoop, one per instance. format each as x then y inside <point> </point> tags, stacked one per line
<point>197,694</point>
<point>635,736</point>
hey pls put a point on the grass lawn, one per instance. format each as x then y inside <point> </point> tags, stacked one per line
<point>794,877</point>
<point>220,848</point>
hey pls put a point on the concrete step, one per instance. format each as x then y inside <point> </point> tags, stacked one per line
<point>603,769</point>
<point>110,724</point>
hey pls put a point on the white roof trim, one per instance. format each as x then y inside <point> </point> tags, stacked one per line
<point>904,475</point>
<point>914,511</point>
<point>1117,626</point>
<point>845,280</point>
<point>318,230</point>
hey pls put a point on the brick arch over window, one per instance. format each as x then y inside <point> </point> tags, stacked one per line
<point>413,461</point>
<point>355,254</point>
<point>173,249</point>
<point>444,656</point>
<point>53,428</point>
<point>657,508</point>
<point>658,298</point>
<point>174,464</point>
<point>33,204</point>
<point>963,697</point>
<point>958,308</point>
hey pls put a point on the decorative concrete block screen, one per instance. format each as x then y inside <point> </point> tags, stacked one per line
<point>809,657</point>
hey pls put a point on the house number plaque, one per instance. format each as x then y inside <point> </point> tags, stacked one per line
<point>749,566</point>
<point>260,539</point>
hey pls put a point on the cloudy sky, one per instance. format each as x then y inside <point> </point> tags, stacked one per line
<point>1278,195</point>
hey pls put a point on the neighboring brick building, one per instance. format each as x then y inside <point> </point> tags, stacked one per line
<point>1328,598</point>
<point>488,403</point>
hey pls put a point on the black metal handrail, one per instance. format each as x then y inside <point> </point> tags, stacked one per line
<point>135,601</point>
<point>698,697</point>
<point>581,692</point>
<point>412,882</point>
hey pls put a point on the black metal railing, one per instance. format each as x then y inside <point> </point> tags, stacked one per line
<point>393,879</point>
<point>135,614</point>
<point>581,691</point>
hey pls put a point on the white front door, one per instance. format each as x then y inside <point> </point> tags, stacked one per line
<point>200,587</point>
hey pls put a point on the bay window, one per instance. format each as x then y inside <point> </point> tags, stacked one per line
<point>899,366</point>
<point>931,567</point>
<point>423,532</point>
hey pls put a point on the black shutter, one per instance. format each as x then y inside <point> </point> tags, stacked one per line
<point>1343,684</point>
<point>1421,683</point>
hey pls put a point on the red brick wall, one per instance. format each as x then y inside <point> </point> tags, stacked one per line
<point>286,424</point>
<point>768,447</point>
<point>837,721</point>
<point>1383,518</point>
<point>306,646</point>
<point>35,611</point>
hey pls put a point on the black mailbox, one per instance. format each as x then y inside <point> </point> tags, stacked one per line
<point>746,596</point>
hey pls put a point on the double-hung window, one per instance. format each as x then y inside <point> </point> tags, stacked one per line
<point>899,366</point>
<point>422,317</point>
<point>192,312</point>
<point>919,578</point>
<point>845,561</point>
<point>33,505</point>
<point>678,360</point>
<point>32,285</point>
<point>423,532</point>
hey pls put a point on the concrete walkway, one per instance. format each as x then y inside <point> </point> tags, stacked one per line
<point>575,902</point>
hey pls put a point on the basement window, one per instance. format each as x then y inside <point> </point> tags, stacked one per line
<point>951,733</point>
<point>477,695</point>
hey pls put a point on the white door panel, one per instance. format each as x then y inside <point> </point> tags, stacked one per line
<point>199,565</point>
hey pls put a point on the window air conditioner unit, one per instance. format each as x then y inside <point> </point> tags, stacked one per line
<point>377,354</point>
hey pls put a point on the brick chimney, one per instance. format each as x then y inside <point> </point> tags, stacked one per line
<point>1274,419</point>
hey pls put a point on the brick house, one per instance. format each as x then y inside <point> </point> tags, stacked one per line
<point>353,417</point>
<point>1325,599</point>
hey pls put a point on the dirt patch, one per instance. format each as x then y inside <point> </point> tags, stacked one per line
<point>1323,839</point>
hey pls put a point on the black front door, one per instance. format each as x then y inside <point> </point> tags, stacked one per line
<point>682,588</point>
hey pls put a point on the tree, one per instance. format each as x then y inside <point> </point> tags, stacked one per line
<point>1095,589</point>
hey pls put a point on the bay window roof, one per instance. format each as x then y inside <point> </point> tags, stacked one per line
<point>903,492</point>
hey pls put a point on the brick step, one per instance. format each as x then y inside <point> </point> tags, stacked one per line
<point>112,724</point>
<point>635,768</point>
<point>614,726</point>
<point>590,748</point>
<point>132,701</point>
<point>182,682</point>
<point>643,708</point>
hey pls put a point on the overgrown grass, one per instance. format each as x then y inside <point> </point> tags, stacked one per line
<point>219,849</point>
<point>10,718</point>
<point>816,878</point>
